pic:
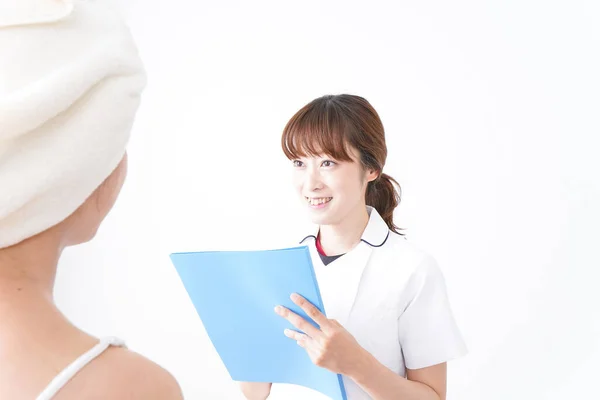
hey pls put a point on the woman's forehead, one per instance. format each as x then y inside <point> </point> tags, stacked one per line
<point>318,154</point>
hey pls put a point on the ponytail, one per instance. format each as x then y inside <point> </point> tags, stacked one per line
<point>384,197</point>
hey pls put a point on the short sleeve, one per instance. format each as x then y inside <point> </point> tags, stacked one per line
<point>427,331</point>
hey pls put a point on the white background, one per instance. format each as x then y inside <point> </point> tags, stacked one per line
<point>491,111</point>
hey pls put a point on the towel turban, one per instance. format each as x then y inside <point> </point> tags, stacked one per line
<point>70,86</point>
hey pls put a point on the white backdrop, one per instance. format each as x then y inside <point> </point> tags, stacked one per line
<point>491,116</point>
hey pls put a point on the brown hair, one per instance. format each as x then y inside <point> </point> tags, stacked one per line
<point>328,125</point>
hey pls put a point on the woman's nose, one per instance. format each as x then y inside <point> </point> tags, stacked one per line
<point>313,180</point>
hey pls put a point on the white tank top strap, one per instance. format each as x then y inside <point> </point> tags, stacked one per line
<point>68,373</point>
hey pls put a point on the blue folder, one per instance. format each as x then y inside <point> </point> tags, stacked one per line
<point>235,292</point>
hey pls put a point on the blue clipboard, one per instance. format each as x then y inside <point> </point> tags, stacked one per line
<point>235,292</point>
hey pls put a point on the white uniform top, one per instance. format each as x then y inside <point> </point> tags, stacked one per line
<point>391,296</point>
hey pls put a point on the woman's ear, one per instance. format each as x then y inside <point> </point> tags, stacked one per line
<point>372,175</point>
<point>83,224</point>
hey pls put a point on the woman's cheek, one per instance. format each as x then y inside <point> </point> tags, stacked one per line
<point>297,181</point>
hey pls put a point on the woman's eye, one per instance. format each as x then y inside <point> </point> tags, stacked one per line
<point>297,163</point>
<point>328,163</point>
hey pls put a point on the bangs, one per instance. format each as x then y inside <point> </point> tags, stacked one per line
<point>317,129</point>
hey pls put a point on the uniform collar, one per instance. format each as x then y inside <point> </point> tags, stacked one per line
<point>375,234</point>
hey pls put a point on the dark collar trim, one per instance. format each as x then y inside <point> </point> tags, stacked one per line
<point>362,240</point>
<point>377,245</point>
<point>312,236</point>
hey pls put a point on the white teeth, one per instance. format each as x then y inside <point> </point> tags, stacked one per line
<point>318,201</point>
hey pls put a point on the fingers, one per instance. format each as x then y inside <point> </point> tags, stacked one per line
<point>310,310</point>
<point>298,322</point>
<point>303,341</point>
<point>311,347</point>
<point>300,338</point>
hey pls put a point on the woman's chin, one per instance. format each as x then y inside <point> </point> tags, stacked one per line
<point>319,217</point>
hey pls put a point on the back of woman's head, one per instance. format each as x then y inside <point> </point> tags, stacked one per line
<point>332,123</point>
<point>70,85</point>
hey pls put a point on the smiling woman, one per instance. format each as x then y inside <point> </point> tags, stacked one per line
<point>346,129</point>
<point>389,328</point>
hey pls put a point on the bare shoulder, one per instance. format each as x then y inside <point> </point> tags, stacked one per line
<point>123,374</point>
<point>145,376</point>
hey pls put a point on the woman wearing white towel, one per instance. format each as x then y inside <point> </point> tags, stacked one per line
<point>70,85</point>
<point>389,328</point>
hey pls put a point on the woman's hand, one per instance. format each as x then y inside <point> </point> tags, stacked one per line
<point>255,390</point>
<point>331,347</point>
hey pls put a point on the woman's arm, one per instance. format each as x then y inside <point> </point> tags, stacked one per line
<point>334,348</point>
<point>255,390</point>
<point>383,384</point>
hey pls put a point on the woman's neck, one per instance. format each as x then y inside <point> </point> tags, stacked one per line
<point>30,318</point>
<point>29,268</point>
<point>344,236</point>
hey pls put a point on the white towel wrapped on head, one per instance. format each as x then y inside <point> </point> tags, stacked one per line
<point>70,85</point>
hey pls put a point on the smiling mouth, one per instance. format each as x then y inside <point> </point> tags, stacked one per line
<point>318,200</point>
